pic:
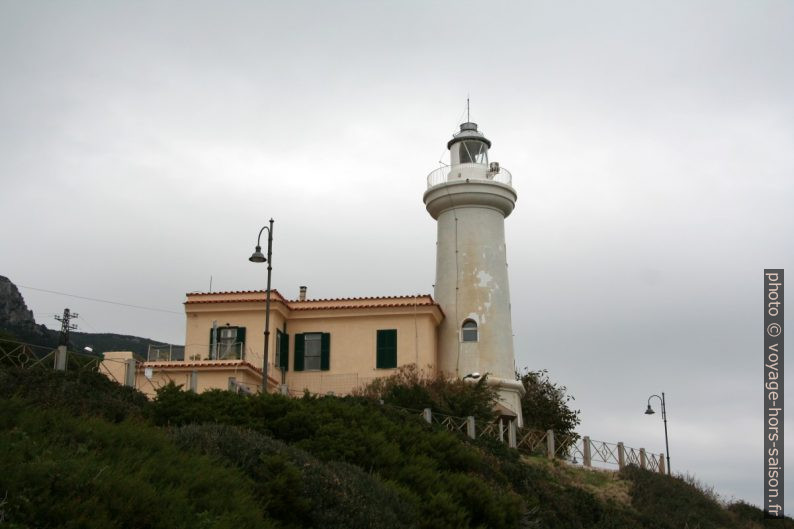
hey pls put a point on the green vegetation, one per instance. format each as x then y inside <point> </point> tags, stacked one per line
<point>410,388</point>
<point>80,451</point>
<point>545,404</point>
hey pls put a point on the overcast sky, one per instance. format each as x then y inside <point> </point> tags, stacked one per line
<point>143,145</point>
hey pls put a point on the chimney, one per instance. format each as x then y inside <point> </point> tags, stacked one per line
<point>302,296</point>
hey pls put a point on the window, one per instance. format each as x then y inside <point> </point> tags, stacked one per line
<point>386,349</point>
<point>282,350</point>
<point>473,152</point>
<point>469,331</point>
<point>313,351</point>
<point>227,343</point>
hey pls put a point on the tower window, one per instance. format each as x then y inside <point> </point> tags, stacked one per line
<point>473,152</point>
<point>469,331</point>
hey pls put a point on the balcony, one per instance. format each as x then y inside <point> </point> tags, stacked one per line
<point>176,353</point>
<point>470,171</point>
<point>165,353</point>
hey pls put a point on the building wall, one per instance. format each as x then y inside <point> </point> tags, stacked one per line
<point>207,377</point>
<point>352,325</point>
<point>353,347</point>
<point>114,365</point>
<point>250,315</point>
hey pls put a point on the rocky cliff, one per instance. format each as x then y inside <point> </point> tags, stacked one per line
<point>13,310</point>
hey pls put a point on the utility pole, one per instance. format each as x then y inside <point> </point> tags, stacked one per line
<point>63,342</point>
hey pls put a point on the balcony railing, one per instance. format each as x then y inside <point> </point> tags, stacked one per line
<point>165,353</point>
<point>176,353</point>
<point>470,171</point>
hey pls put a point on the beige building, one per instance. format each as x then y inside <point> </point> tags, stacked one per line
<point>316,345</point>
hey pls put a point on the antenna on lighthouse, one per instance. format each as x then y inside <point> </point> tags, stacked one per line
<point>468,112</point>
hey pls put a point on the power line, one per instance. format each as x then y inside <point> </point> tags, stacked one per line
<point>102,300</point>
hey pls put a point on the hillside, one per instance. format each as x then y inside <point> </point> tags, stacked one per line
<point>17,320</point>
<point>79,450</point>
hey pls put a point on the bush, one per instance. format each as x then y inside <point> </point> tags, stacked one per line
<point>62,471</point>
<point>435,470</point>
<point>679,501</point>
<point>545,404</point>
<point>751,517</point>
<point>297,489</point>
<point>410,388</point>
<point>81,392</point>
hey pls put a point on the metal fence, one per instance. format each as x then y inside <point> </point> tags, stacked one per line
<point>469,171</point>
<point>25,355</point>
<point>571,448</point>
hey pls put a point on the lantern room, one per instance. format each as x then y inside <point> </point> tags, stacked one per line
<point>469,146</point>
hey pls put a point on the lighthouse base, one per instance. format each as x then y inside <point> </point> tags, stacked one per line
<point>509,394</point>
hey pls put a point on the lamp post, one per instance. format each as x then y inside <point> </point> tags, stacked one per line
<point>257,257</point>
<point>649,411</point>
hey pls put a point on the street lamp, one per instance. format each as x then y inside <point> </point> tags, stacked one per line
<point>649,411</point>
<point>257,257</point>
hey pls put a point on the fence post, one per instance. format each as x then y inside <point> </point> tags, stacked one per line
<point>643,459</point>
<point>621,456</point>
<point>511,434</point>
<point>586,460</point>
<point>661,463</point>
<point>129,373</point>
<point>428,415</point>
<point>550,449</point>
<point>470,428</point>
<point>60,358</point>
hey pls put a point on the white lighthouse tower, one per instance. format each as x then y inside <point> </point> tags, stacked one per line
<point>470,199</point>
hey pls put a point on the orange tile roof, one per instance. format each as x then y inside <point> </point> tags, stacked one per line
<point>204,363</point>
<point>200,363</point>
<point>239,300</point>
<point>422,300</point>
<point>224,292</point>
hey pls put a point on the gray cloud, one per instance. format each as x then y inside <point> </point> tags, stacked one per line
<point>143,146</point>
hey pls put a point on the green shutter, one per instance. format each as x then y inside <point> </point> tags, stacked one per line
<point>209,355</point>
<point>325,352</point>
<point>298,352</point>
<point>241,340</point>
<point>284,359</point>
<point>386,355</point>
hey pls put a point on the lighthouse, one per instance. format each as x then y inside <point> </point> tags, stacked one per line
<point>470,199</point>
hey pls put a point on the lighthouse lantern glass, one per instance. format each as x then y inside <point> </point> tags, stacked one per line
<point>473,151</point>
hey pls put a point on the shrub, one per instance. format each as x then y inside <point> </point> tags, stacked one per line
<point>433,467</point>
<point>297,489</point>
<point>545,404</point>
<point>677,500</point>
<point>81,392</point>
<point>411,388</point>
<point>62,471</point>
